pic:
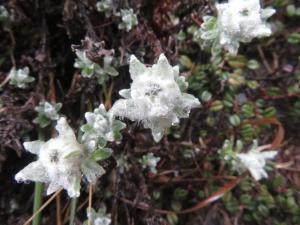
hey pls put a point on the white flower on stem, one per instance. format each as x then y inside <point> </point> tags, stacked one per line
<point>155,97</point>
<point>101,126</point>
<point>241,21</point>
<point>129,19</point>
<point>47,112</point>
<point>255,161</point>
<point>58,163</point>
<point>20,78</point>
<point>90,69</point>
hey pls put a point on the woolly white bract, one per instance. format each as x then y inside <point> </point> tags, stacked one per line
<point>20,78</point>
<point>101,126</point>
<point>156,96</point>
<point>255,161</point>
<point>46,113</point>
<point>59,161</point>
<point>241,21</point>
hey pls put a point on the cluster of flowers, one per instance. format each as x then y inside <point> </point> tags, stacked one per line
<point>157,99</point>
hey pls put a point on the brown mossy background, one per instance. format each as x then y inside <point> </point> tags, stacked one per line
<point>190,171</point>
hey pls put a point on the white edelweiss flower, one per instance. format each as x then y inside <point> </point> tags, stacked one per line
<point>255,161</point>
<point>129,19</point>
<point>58,163</point>
<point>155,97</point>
<point>241,21</point>
<point>100,125</point>
<point>20,78</point>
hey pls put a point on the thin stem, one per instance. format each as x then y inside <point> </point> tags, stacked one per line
<point>73,205</point>
<point>58,210</point>
<point>72,211</point>
<point>38,191</point>
<point>42,207</point>
<point>38,199</point>
<point>90,202</point>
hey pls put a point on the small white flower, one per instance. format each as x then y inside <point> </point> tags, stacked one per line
<point>47,112</point>
<point>20,78</point>
<point>155,97</point>
<point>90,69</point>
<point>129,19</point>
<point>241,21</point>
<point>255,161</point>
<point>100,125</point>
<point>105,6</point>
<point>58,163</point>
<point>99,218</point>
<point>150,161</point>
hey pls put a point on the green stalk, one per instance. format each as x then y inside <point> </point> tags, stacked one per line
<point>73,205</point>
<point>38,191</point>
<point>73,211</point>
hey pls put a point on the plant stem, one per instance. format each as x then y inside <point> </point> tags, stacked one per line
<point>38,192</point>
<point>74,200</point>
<point>38,199</point>
<point>73,211</point>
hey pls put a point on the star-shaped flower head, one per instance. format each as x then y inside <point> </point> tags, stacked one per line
<point>155,97</point>
<point>255,161</point>
<point>47,112</point>
<point>101,127</point>
<point>241,21</point>
<point>90,69</point>
<point>58,163</point>
<point>129,19</point>
<point>20,78</point>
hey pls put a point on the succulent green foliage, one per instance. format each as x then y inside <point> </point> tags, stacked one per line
<point>101,127</point>
<point>129,19</point>
<point>149,161</point>
<point>105,6</point>
<point>20,78</point>
<point>47,112</point>
<point>90,69</point>
<point>98,218</point>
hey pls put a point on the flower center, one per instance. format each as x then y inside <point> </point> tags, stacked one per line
<point>245,12</point>
<point>54,157</point>
<point>153,89</point>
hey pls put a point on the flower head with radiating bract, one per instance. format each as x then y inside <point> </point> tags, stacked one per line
<point>255,161</point>
<point>241,21</point>
<point>155,97</point>
<point>20,78</point>
<point>101,127</point>
<point>58,163</point>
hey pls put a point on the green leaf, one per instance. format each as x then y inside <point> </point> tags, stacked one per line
<point>294,38</point>
<point>253,64</point>
<point>101,154</point>
<point>235,120</point>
